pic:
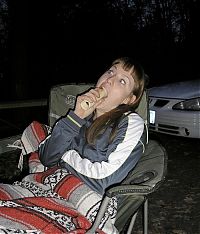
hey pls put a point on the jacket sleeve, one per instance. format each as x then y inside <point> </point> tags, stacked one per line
<point>128,136</point>
<point>60,140</point>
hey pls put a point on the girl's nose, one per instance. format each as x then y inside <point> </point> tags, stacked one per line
<point>110,79</point>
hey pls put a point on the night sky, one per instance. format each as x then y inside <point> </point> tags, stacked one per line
<point>47,43</point>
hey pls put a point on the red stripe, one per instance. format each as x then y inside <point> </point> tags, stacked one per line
<point>32,219</point>
<point>48,203</point>
<point>4,195</point>
<point>34,156</point>
<point>40,176</point>
<point>38,131</point>
<point>51,204</point>
<point>67,185</point>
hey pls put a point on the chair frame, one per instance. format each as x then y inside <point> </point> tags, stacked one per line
<point>142,190</point>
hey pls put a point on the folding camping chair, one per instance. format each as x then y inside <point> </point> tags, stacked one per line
<point>133,192</point>
<point>145,178</point>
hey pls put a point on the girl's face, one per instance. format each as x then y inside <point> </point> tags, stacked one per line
<point>119,85</point>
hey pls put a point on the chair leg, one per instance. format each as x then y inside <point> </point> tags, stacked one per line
<point>130,227</point>
<point>145,219</point>
<point>101,212</point>
<point>146,216</point>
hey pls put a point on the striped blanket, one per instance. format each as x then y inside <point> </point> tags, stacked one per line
<point>52,201</point>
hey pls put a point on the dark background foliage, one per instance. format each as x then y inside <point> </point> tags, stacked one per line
<point>44,43</point>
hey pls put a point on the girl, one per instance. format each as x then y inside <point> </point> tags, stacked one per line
<point>102,144</point>
<point>87,151</point>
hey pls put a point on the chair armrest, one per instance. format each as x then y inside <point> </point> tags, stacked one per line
<point>137,190</point>
<point>129,190</point>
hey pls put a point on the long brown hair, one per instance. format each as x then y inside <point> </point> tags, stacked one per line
<point>113,117</point>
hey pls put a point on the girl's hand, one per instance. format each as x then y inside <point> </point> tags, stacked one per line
<point>93,97</point>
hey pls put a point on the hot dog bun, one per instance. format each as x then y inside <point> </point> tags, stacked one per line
<point>86,104</point>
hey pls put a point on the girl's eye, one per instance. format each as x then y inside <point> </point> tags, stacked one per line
<point>110,72</point>
<point>122,81</point>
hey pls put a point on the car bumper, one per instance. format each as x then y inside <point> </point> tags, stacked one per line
<point>179,123</point>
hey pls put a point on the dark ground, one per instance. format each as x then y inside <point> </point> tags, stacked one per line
<point>175,207</point>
